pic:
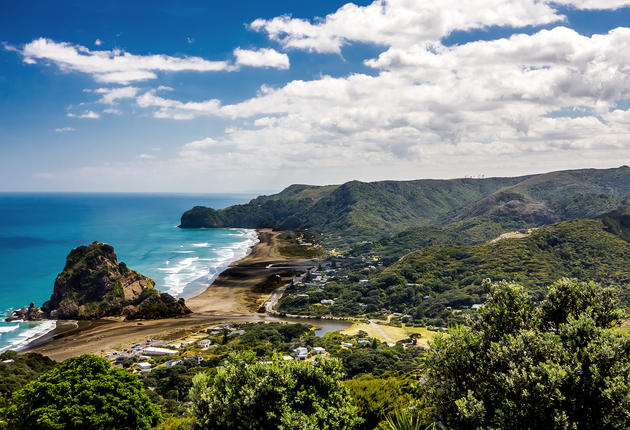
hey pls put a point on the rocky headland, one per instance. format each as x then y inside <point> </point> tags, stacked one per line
<point>93,284</point>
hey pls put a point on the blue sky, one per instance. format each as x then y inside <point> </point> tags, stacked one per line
<point>155,96</point>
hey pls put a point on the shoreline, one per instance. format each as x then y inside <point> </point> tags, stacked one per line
<point>237,292</point>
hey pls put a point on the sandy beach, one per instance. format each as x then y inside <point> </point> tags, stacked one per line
<point>237,292</point>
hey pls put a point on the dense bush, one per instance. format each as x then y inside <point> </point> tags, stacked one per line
<point>249,394</point>
<point>556,366</point>
<point>83,393</point>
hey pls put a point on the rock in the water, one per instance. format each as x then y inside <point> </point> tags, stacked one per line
<point>94,284</point>
<point>32,313</point>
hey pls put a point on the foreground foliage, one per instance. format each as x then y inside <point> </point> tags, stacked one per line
<point>556,366</point>
<point>249,394</point>
<point>83,393</point>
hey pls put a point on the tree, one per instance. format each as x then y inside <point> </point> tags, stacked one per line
<point>247,394</point>
<point>377,398</point>
<point>83,393</point>
<point>558,366</point>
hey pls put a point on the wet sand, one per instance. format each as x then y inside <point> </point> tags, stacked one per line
<point>237,292</point>
<point>241,289</point>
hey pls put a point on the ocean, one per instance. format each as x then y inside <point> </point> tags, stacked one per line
<point>37,231</point>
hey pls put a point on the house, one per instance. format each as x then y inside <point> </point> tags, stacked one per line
<point>287,357</point>
<point>363,282</point>
<point>301,353</point>
<point>346,345</point>
<point>364,341</point>
<point>237,333</point>
<point>476,307</point>
<point>327,302</point>
<point>143,366</point>
<point>318,350</point>
<point>172,363</point>
<point>196,358</point>
<point>204,343</point>
<point>153,350</point>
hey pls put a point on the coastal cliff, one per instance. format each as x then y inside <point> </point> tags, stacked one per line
<point>93,284</point>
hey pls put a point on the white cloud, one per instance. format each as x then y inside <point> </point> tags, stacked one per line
<point>114,66</point>
<point>111,95</point>
<point>261,58</point>
<point>112,111</point>
<point>480,103</point>
<point>98,42</point>
<point>64,129</point>
<point>87,114</point>
<point>167,108</point>
<point>147,156</point>
<point>594,4</point>
<point>402,22</point>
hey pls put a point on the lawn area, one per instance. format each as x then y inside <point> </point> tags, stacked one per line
<point>391,334</point>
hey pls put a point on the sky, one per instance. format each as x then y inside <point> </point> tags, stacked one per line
<point>251,96</point>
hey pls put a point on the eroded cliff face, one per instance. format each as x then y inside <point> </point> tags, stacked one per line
<point>93,284</point>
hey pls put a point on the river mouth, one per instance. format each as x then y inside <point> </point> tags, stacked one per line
<point>322,326</point>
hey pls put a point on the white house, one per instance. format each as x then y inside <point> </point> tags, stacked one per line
<point>204,343</point>
<point>301,352</point>
<point>172,363</point>
<point>143,366</point>
<point>153,350</point>
<point>318,350</point>
<point>363,282</point>
<point>327,302</point>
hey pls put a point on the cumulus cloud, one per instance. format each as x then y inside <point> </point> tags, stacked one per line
<point>261,58</point>
<point>98,42</point>
<point>87,114</point>
<point>402,22</point>
<point>111,95</point>
<point>114,66</point>
<point>430,103</point>
<point>64,129</point>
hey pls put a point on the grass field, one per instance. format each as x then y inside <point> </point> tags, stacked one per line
<point>391,334</point>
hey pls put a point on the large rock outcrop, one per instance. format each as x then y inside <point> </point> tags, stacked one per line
<point>93,284</point>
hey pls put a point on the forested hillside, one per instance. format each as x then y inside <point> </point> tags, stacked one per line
<point>429,283</point>
<point>472,209</point>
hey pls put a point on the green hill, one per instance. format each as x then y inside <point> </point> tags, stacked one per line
<point>452,275</point>
<point>471,208</point>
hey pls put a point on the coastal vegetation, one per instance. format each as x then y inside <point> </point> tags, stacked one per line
<point>248,394</point>
<point>575,375</point>
<point>82,393</point>
<point>555,366</point>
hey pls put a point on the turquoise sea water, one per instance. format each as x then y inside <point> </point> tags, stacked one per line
<point>37,231</point>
